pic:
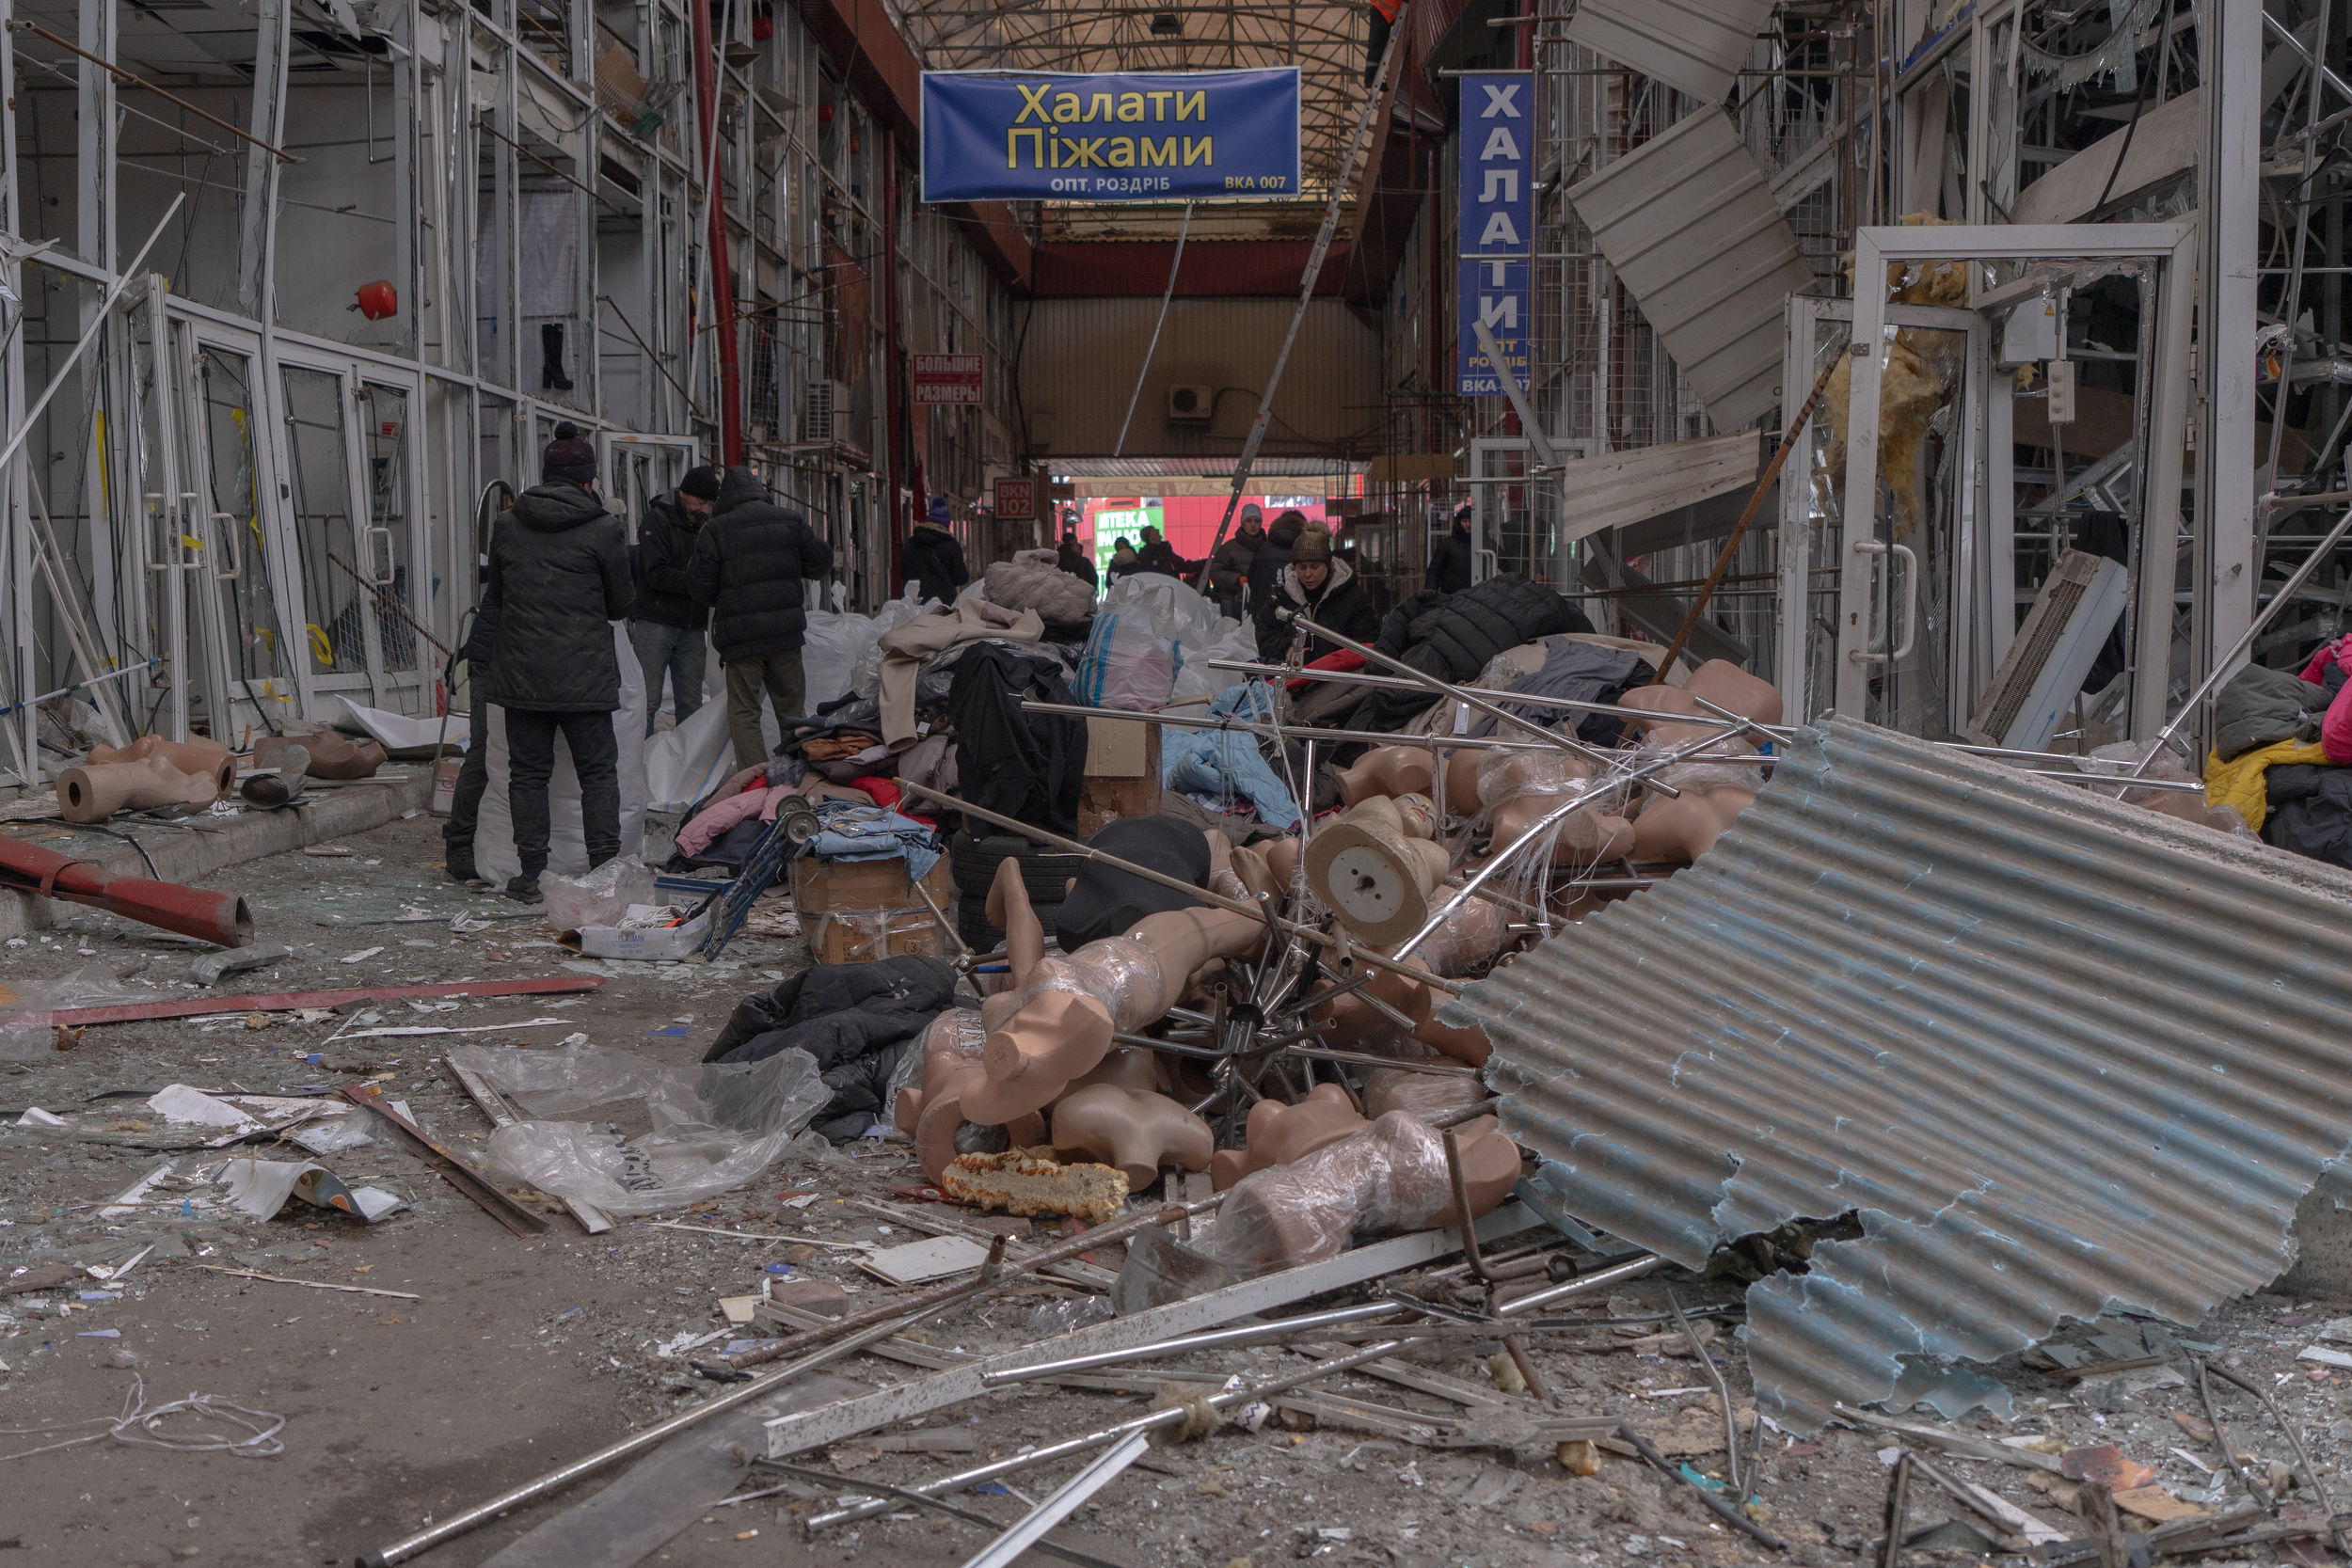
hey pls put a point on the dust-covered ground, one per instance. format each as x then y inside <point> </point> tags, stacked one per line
<point>501,1357</point>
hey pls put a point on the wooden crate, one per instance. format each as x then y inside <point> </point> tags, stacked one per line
<point>825,887</point>
<point>861,936</point>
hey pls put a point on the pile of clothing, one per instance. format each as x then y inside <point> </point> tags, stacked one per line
<point>2280,746</point>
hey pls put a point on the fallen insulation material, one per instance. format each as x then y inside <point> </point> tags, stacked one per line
<point>1020,1184</point>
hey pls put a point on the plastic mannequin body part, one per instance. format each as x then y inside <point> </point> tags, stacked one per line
<point>1683,830</point>
<point>1388,1176</point>
<point>289,767</point>
<point>332,756</point>
<point>93,794</point>
<point>203,761</point>
<point>1137,1133</point>
<point>1278,1133</point>
<point>1725,684</point>
<point>931,1115</point>
<point>1389,770</point>
<point>1066,1009</point>
<point>1521,789</point>
<point>1372,868</point>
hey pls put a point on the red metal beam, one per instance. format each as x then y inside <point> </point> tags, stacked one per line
<point>214,917</point>
<point>286,1002</point>
<point>722,280</point>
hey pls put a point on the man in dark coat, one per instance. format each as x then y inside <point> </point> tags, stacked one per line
<point>1449,564</point>
<point>1124,561</point>
<point>1321,588</point>
<point>1266,567</point>
<point>933,560</point>
<point>1076,561</point>
<point>1229,564</point>
<point>1158,555</point>
<point>749,564</point>
<point>559,573</point>
<point>666,628</point>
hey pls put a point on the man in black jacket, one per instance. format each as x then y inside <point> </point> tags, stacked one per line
<point>1450,565</point>
<point>559,573</point>
<point>1158,555</point>
<point>1321,588</point>
<point>932,559</point>
<point>1266,568</point>
<point>749,564</point>
<point>667,627</point>
<point>1075,562</point>
<point>1230,563</point>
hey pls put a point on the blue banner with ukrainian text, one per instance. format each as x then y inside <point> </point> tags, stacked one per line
<point>1110,135</point>
<point>1496,191</point>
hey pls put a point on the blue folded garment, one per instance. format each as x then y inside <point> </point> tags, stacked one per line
<point>854,832</point>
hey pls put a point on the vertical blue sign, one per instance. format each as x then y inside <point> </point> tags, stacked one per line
<point>1497,203</point>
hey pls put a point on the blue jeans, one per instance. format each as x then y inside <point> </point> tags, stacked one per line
<point>674,651</point>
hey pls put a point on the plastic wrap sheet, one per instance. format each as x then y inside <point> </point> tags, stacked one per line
<point>29,1004</point>
<point>715,1125</point>
<point>1390,1176</point>
<point>1467,940</point>
<point>1506,775</point>
<point>602,897</point>
<point>1700,776</point>
<point>1119,971</point>
<point>959,1032</point>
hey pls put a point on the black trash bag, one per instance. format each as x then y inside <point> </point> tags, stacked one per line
<point>858,1020</point>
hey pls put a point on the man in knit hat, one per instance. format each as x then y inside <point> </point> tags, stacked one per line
<point>559,577</point>
<point>1319,588</point>
<point>667,628</point>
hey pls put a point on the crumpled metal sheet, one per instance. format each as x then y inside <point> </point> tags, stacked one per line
<point>2061,1056</point>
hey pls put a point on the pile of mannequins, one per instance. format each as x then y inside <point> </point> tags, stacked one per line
<point>153,772</point>
<point>1038,1102</point>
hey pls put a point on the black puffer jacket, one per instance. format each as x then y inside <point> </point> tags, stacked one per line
<point>749,564</point>
<point>858,1020</point>
<point>934,560</point>
<point>665,543</point>
<point>559,576</point>
<point>1452,636</point>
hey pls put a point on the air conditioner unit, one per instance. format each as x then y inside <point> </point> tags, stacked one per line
<point>2039,681</point>
<point>826,417</point>
<point>1190,404</point>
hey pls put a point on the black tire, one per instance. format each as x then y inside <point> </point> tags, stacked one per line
<point>1047,873</point>
<point>972,927</point>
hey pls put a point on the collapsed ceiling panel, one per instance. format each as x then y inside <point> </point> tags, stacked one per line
<point>1689,223</point>
<point>1642,482</point>
<point>2061,1055</point>
<point>1694,45</point>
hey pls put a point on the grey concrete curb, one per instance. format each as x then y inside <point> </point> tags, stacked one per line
<point>192,855</point>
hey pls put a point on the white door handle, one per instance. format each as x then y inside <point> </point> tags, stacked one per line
<point>224,535</point>
<point>1911,602</point>
<point>390,561</point>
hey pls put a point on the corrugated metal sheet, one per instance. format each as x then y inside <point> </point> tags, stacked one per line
<point>2062,1055</point>
<point>1079,363</point>
<point>1689,224</point>
<point>1694,45</point>
<point>1642,482</point>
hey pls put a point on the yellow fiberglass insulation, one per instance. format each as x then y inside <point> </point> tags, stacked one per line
<point>1912,387</point>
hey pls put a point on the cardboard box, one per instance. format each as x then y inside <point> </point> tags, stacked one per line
<point>666,944</point>
<point>445,784</point>
<point>1123,774</point>
<point>823,887</point>
<point>861,936</point>
<point>1122,749</point>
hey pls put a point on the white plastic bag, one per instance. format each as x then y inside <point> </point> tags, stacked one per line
<point>715,1125</point>
<point>685,764</point>
<point>602,897</point>
<point>1127,664</point>
<point>1234,643</point>
<point>494,853</point>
